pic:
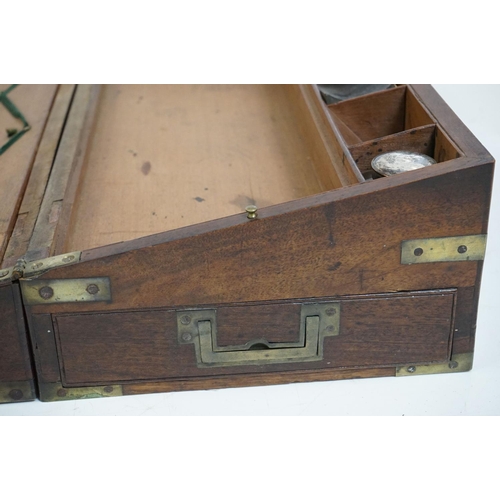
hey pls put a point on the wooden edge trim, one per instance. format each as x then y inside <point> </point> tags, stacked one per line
<point>56,206</point>
<point>444,116</point>
<point>42,165</point>
<point>403,133</point>
<point>346,168</point>
<point>259,379</point>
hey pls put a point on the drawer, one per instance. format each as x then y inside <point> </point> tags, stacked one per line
<point>350,332</point>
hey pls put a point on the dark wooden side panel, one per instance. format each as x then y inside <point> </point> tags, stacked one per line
<point>16,376</point>
<point>379,331</point>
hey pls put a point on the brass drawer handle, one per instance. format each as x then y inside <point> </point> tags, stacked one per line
<point>317,321</point>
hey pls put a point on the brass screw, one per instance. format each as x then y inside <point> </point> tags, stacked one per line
<point>330,329</point>
<point>453,364</point>
<point>418,252</point>
<point>330,311</point>
<point>186,319</point>
<point>108,389</point>
<point>462,249</point>
<point>61,393</point>
<point>186,337</point>
<point>46,292</point>
<point>411,369</point>
<point>68,258</point>
<point>16,394</point>
<point>92,289</point>
<point>37,265</point>
<point>251,211</point>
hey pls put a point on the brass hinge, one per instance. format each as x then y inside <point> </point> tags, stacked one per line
<point>38,267</point>
<point>449,249</point>
<point>23,269</point>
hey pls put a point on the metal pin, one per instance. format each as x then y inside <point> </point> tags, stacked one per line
<point>251,211</point>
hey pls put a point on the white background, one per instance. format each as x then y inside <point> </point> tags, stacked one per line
<point>472,393</point>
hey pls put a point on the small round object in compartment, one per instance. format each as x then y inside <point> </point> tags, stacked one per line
<point>397,162</point>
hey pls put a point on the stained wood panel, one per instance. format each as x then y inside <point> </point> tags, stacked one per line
<point>14,356</point>
<point>133,346</point>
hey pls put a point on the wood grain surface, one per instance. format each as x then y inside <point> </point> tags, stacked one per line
<point>372,116</point>
<point>15,365</point>
<point>255,379</point>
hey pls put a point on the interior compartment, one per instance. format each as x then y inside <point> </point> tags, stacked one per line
<point>420,140</point>
<point>389,120</point>
<point>379,114</point>
<point>428,139</point>
<point>163,157</point>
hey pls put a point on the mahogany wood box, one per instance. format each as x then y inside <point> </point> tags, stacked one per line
<point>129,264</point>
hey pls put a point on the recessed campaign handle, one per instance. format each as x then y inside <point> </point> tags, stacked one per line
<point>317,321</point>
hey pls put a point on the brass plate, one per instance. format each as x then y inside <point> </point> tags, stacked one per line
<point>6,274</point>
<point>39,292</point>
<point>56,392</point>
<point>16,392</point>
<point>199,327</point>
<point>459,363</point>
<point>450,249</point>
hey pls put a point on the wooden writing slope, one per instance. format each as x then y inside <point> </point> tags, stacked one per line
<point>130,264</point>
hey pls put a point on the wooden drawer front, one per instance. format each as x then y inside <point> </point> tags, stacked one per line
<point>373,331</point>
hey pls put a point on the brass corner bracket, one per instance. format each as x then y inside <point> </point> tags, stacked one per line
<point>16,392</point>
<point>458,363</point>
<point>449,249</point>
<point>56,392</point>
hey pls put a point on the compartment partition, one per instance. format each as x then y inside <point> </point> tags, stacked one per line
<point>419,140</point>
<point>390,120</point>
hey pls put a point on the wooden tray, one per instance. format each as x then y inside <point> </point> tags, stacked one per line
<point>127,246</point>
